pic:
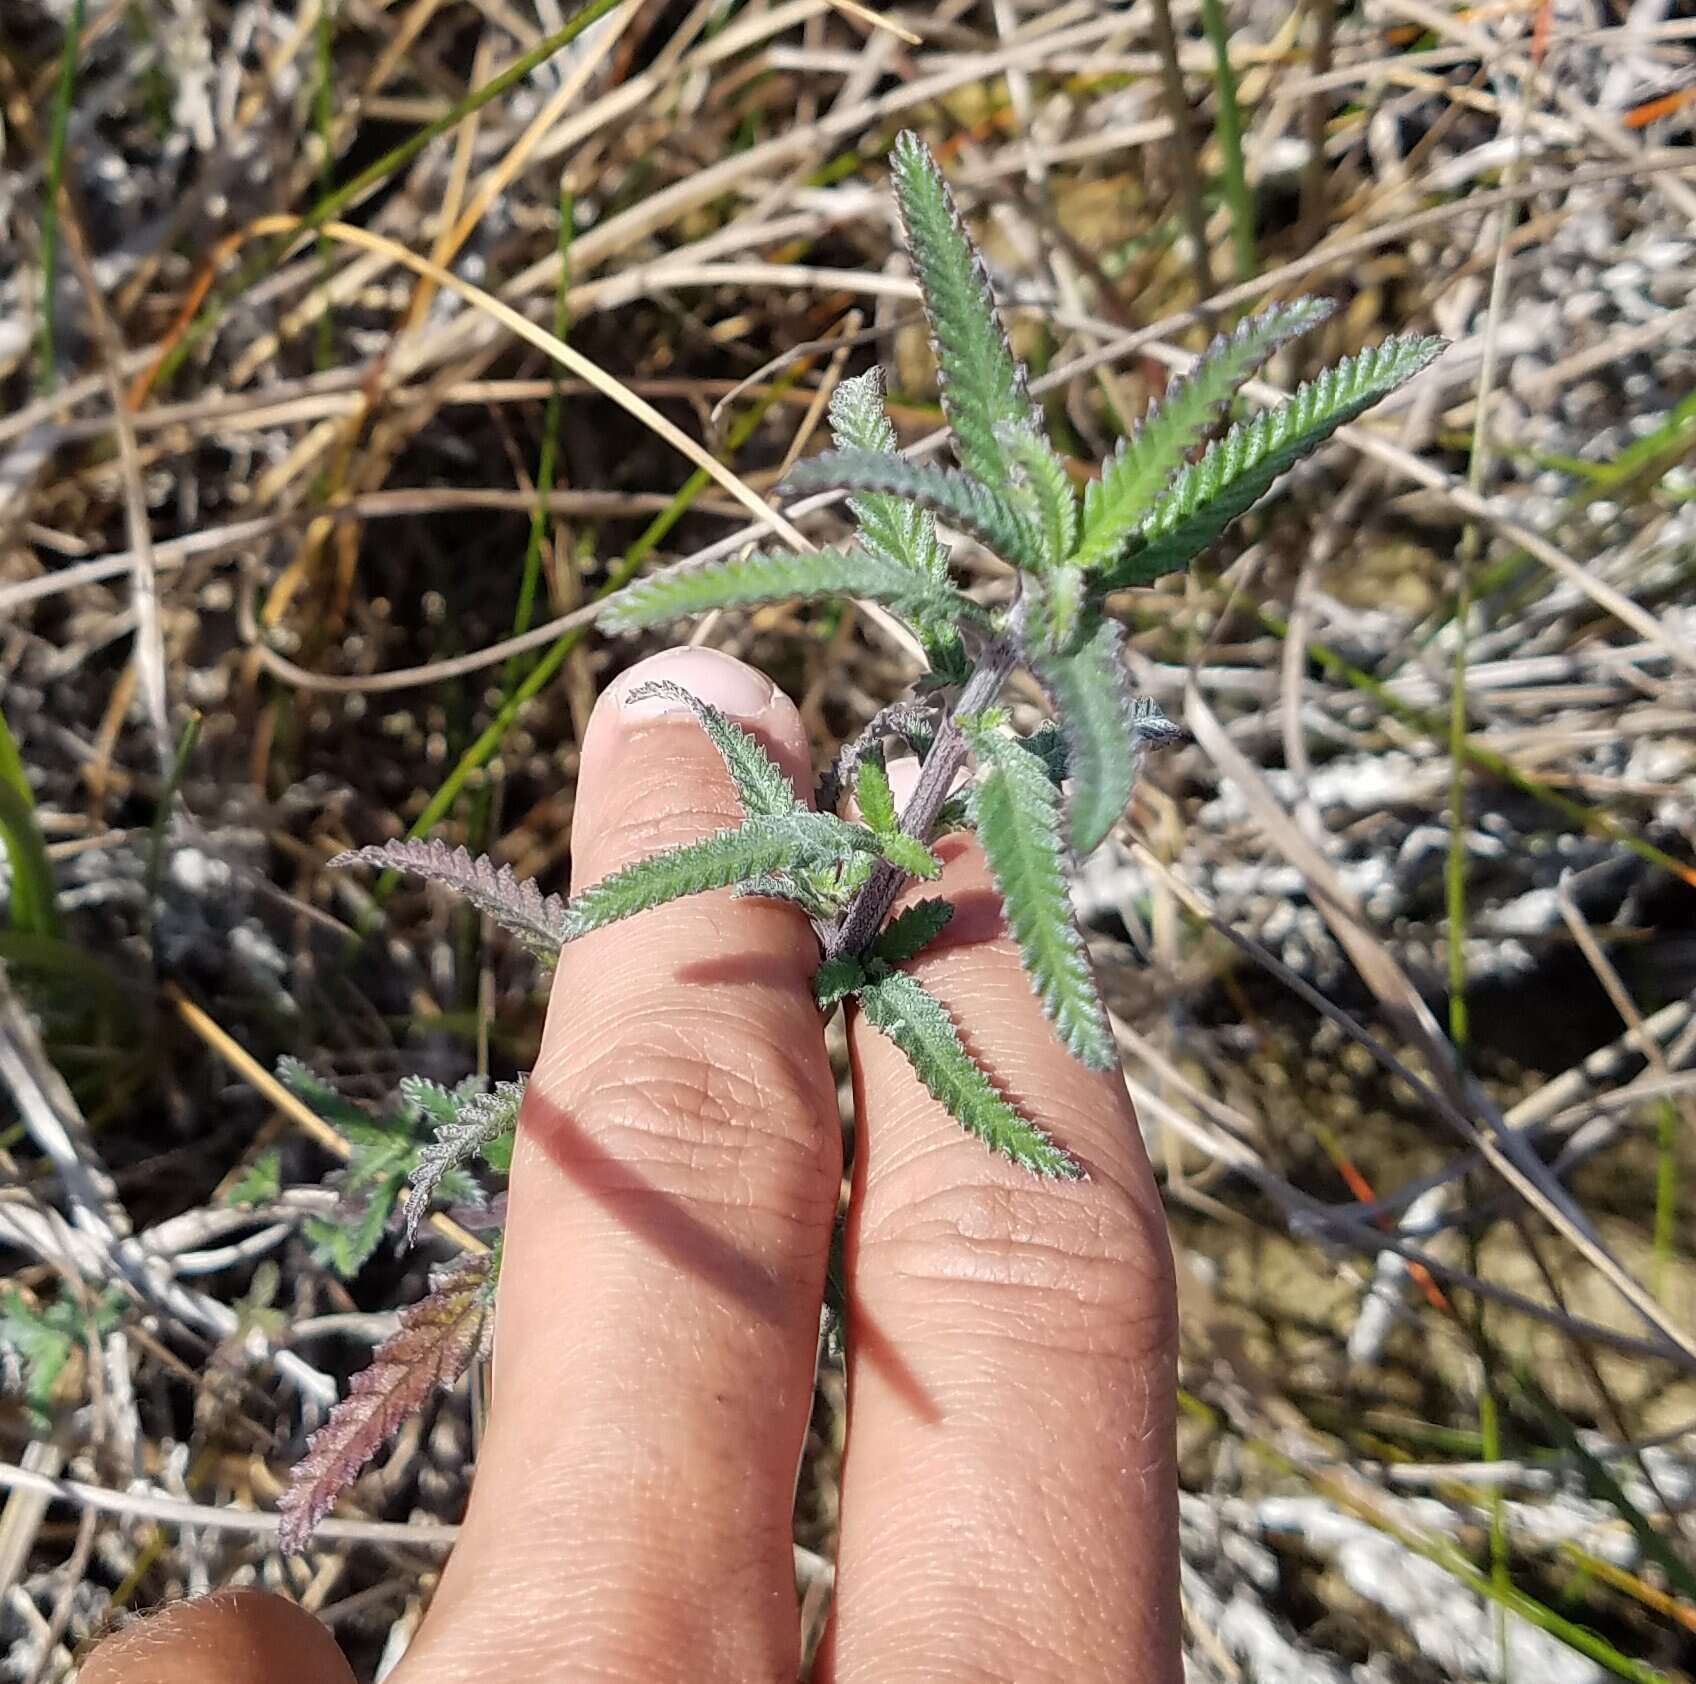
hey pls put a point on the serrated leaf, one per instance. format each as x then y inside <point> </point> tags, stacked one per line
<point>1060,611</point>
<point>779,576</point>
<point>876,799</point>
<point>305,1083</point>
<point>515,904</point>
<point>41,1338</point>
<point>909,854</point>
<point>964,502</point>
<point>982,386</point>
<point>1018,820</point>
<point>1047,744</point>
<point>437,1338</point>
<point>1209,494</point>
<point>897,1006</point>
<point>762,786</point>
<point>465,1126</point>
<point>1089,687</point>
<point>914,724</point>
<point>1117,503</point>
<point>729,856</point>
<point>1048,496</point>
<point>259,1183</point>
<point>837,978</point>
<point>890,525</point>
<point>912,930</point>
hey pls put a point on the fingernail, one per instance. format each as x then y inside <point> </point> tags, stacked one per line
<point>728,684</point>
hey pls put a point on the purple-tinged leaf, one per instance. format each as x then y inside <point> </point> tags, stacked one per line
<point>437,1338</point>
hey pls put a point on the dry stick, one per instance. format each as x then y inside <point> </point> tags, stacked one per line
<point>144,577</point>
<point>1506,1151</point>
<point>56,1125</point>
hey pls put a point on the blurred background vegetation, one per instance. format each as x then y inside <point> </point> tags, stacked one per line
<point>296,532</point>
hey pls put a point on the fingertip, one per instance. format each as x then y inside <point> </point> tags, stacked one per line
<point>230,1637</point>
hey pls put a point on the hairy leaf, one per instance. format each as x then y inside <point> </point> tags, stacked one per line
<point>890,525</point>
<point>1208,495</point>
<point>983,387</point>
<point>1060,613</point>
<point>876,799</point>
<point>1047,743</point>
<point>467,1125</point>
<point>1089,686</point>
<point>762,786</point>
<point>910,854</point>
<point>515,904</point>
<point>1018,817</point>
<point>964,502</point>
<point>837,978</point>
<point>1116,503</point>
<point>914,723</point>
<point>912,930</point>
<point>437,1338</point>
<point>897,1006</point>
<point>40,1338</point>
<point>1046,491</point>
<point>777,576</point>
<point>729,856</point>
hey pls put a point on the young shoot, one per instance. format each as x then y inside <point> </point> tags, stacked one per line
<point>1037,802</point>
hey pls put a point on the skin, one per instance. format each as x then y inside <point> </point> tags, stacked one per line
<point>1009,1497</point>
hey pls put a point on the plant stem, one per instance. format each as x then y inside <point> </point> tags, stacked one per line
<point>864,918</point>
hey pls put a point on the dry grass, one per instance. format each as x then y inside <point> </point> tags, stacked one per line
<point>329,429</point>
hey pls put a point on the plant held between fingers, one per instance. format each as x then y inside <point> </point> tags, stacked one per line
<point>1035,801</point>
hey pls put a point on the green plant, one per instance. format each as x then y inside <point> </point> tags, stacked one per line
<point>1033,800</point>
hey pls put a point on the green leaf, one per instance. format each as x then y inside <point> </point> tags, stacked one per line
<point>1047,743</point>
<point>964,502</point>
<point>466,1125</point>
<point>730,856</point>
<point>1089,687</point>
<point>1208,495</point>
<point>1059,610</point>
<point>876,799</point>
<point>897,1006</point>
<point>837,978</point>
<point>762,786</point>
<point>1046,490</point>
<point>889,525</point>
<point>778,576</point>
<point>1116,503</point>
<point>1018,814</point>
<point>260,1182</point>
<point>983,387</point>
<point>912,930</point>
<point>910,854</point>
<point>42,1337</point>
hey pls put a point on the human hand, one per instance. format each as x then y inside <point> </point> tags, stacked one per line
<point>1009,1494</point>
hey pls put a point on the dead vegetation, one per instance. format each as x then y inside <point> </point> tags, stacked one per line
<point>354,350</point>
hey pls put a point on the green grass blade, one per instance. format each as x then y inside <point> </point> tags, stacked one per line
<point>34,905</point>
<point>1229,128</point>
